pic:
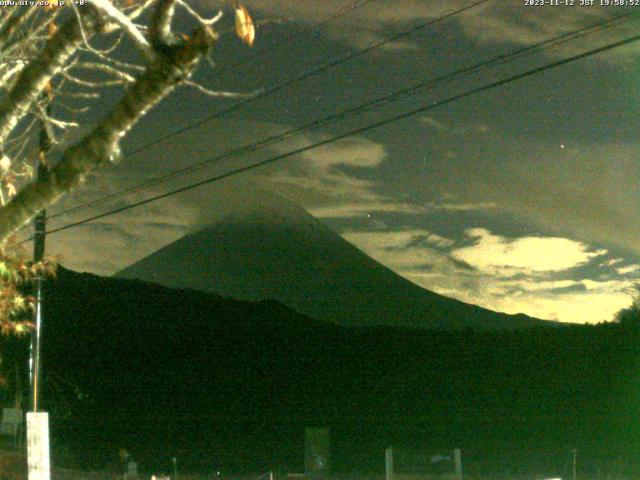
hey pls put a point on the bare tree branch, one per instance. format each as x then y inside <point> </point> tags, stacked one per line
<point>117,63</point>
<point>127,25</point>
<point>103,68</point>
<point>198,17</point>
<point>139,10</point>
<point>13,23</point>
<point>29,39</point>
<point>216,93</point>
<point>160,28</point>
<point>33,79</point>
<point>93,84</point>
<point>101,146</point>
<point>12,69</point>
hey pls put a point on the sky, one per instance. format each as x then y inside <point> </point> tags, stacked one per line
<point>520,198</point>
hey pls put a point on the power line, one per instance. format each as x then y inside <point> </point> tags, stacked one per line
<point>308,74</point>
<point>357,131</point>
<point>352,6</point>
<point>284,84</point>
<point>314,71</point>
<point>355,5</point>
<point>428,85</point>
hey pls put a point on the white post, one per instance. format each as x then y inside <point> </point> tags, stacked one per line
<point>38,446</point>
<point>388,460</point>
<point>457,456</point>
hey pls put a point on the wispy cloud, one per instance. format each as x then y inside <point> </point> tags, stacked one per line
<point>533,275</point>
<point>629,269</point>
<point>407,252</point>
<point>453,129</point>
<point>337,180</point>
<point>108,245</point>
<point>350,210</point>
<point>462,206</point>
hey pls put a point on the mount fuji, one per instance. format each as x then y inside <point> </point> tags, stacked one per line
<point>269,248</point>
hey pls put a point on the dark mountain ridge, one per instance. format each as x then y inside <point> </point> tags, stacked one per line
<point>231,384</point>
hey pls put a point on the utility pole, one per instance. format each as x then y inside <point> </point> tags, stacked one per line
<point>457,460</point>
<point>38,454</point>
<point>35,367</point>
<point>388,463</point>
<point>40,225</point>
<point>38,459</point>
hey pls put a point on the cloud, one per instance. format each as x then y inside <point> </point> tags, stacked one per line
<point>347,210</point>
<point>403,251</point>
<point>350,210</point>
<point>495,254</point>
<point>356,152</point>
<point>510,275</point>
<point>431,122</point>
<point>463,206</point>
<point>362,26</point>
<point>451,128</point>
<point>111,243</point>
<point>613,261</point>
<point>336,180</point>
<point>107,246</point>
<point>589,306</point>
<point>591,193</point>
<point>507,21</point>
<point>580,301</point>
<point>628,269</point>
<point>339,180</point>
<point>586,191</point>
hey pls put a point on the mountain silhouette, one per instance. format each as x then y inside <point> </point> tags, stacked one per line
<point>269,248</point>
<point>231,385</point>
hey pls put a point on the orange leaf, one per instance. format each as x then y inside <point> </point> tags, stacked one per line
<point>244,25</point>
<point>11,190</point>
<point>48,89</point>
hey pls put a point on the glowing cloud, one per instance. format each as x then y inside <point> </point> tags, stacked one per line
<point>495,254</point>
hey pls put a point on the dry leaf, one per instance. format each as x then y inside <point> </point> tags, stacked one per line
<point>244,25</point>
<point>52,29</point>
<point>11,190</point>
<point>48,89</point>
